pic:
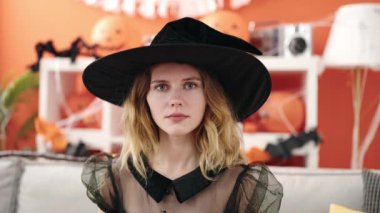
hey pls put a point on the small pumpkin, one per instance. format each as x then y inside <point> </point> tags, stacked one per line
<point>52,134</point>
<point>255,154</point>
<point>110,35</point>
<point>228,22</point>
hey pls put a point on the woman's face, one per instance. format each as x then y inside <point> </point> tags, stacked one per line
<point>176,99</point>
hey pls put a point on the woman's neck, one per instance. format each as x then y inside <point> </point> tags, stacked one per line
<point>176,156</point>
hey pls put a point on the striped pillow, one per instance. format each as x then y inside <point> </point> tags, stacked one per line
<point>371,191</point>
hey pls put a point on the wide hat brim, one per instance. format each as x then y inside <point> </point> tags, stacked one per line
<point>245,80</point>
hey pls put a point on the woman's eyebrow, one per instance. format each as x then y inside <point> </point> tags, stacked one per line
<point>185,79</point>
<point>158,81</point>
<point>192,78</point>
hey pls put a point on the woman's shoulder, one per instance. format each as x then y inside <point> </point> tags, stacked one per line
<point>98,160</point>
<point>259,174</point>
<point>102,163</point>
<point>257,171</point>
<point>101,166</point>
<point>99,176</point>
<point>256,190</point>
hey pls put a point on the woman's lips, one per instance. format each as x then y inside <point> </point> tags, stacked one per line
<point>177,117</point>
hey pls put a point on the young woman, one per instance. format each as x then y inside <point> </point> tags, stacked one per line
<point>182,98</point>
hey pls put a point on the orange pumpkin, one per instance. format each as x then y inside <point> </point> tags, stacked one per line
<point>255,154</point>
<point>52,134</point>
<point>110,35</point>
<point>283,112</point>
<point>228,22</point>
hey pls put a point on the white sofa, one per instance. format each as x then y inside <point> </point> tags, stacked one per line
<point>313,190</point>
<point>31,186</point>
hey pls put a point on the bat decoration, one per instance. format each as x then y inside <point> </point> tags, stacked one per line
<point>78,47</point>
<point>283,149</point>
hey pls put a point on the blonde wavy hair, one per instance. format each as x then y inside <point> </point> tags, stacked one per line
<point>217,137</point>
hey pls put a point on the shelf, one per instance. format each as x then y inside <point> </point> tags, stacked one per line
<point>309,67</point>
<point>64,64</point>
<point>284,64</point>
<point>260,140</point>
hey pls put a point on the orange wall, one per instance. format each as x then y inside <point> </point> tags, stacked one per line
<point>24,23</point>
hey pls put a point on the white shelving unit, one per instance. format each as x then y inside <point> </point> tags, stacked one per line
<point>309,67</point>
<point>57,79</point>
<point>55,73</point>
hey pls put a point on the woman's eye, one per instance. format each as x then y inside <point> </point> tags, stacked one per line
<point>190,85</point>
<point>161,87</point>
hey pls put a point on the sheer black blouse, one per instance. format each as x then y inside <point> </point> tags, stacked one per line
<point>243,188</point>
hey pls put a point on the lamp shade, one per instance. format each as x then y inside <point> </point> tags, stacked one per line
<point>354,39</point>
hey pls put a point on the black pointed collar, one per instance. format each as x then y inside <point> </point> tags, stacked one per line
<point>157,185</point>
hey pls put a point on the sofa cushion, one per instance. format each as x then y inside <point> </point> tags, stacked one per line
<point>309,190</point>
<point>371,182</point>
<point>10,172</point>
<point>52,186</point>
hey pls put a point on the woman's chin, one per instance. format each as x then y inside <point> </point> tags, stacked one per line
<point>178,132</point>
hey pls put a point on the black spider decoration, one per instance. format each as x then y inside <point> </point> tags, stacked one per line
<point>78,46</point>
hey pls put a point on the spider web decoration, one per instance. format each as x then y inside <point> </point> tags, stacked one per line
<point>151,9</point>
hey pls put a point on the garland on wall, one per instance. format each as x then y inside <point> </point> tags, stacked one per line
<point>164,8</point>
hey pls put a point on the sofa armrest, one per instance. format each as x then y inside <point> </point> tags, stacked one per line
<point>10,172</point>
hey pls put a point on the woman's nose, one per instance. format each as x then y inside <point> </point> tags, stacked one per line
<point>176,98</point>
<point>175,103</point>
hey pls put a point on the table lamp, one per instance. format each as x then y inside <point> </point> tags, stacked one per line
<point>354,45</point>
